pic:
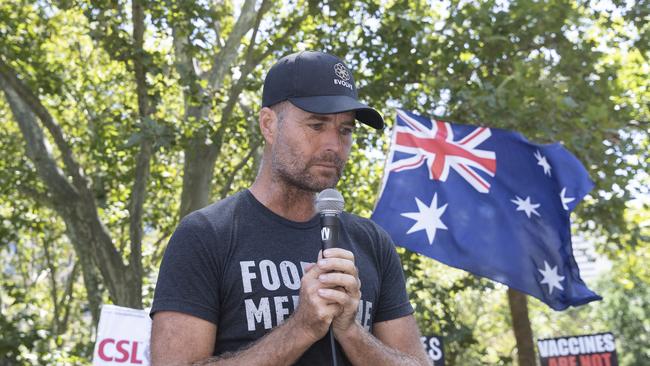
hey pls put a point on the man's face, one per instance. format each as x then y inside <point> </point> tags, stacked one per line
<point>311,150</point>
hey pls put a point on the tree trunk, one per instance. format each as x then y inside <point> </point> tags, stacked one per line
<point>198,171</point>
<point>143,158</point>
<point>521,327</point>
<point>93,245</point>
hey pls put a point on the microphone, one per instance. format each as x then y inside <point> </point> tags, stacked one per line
<point>329,204</point>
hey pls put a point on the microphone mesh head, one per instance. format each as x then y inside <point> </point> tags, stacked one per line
<point>329,200</point>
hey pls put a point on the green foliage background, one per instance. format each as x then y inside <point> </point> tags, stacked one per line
<point>568,71</point>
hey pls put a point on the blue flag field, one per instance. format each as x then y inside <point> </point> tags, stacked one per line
<point>488,201</point>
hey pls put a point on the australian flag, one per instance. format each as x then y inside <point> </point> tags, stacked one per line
<point>487,201</point>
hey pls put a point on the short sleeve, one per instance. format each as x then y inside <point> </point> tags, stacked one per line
<point>188,281</point>
<point>393,299</point>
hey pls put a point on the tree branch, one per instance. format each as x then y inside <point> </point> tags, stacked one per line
<point>53,287</point>
<point>36,146</point>
<point>215,25</point>
<point>30,99</point>
<point>249,65</point>
<point>237,88</point>
<point>226,187</point>
<point>66,299</point>
<point>189,74</point>
<point>227,55</point>
<point>291,29</point>
<point>38,197</point>
<point>257,152</point>
<point>266,5</point>
<point>155,258</point>
<point>184,64</point>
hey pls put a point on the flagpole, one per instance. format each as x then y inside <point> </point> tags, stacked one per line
<point>521,327</point>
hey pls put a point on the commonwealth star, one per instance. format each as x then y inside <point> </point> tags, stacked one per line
<point>427,218</point>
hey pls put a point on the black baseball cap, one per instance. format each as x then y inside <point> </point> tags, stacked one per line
<point>318,83</point>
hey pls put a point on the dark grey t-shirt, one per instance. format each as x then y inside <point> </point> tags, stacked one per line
<point>238,265</point>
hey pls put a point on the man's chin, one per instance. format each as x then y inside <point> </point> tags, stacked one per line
<point>312,184</point>
<point>317,185</point>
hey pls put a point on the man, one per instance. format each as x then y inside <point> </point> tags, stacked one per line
<point>230,282</point>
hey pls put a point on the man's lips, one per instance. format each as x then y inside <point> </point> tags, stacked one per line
<point>326,165</point>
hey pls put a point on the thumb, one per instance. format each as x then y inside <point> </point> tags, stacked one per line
<point>310,266</point>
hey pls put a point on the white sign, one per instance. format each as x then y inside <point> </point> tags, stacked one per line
<point>122,337</point>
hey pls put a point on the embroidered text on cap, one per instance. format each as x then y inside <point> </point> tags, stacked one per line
<point>342,72</point>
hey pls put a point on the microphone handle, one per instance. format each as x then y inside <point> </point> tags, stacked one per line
<point>330,227</point>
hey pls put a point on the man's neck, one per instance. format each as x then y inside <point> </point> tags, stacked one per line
<point>290,202</point>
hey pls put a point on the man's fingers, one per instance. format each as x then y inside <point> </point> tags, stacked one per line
<point>334,295</point>
<point>333,279</point>
<point>337,265</point>
<point>312,271</point>
<point>338,253</point>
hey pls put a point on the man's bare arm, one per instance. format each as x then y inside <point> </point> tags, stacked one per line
<point>395,342</point>
<point>180,339</point>
<point>282,346</point>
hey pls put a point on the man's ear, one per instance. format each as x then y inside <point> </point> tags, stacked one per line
<point>268,121</point>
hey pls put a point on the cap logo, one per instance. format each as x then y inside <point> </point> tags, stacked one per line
<point>342,71</point>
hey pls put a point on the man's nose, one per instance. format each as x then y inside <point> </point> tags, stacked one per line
<point>332,139</point>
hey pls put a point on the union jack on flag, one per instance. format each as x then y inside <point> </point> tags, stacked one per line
<point>487,201</point>
<point>437,147</point>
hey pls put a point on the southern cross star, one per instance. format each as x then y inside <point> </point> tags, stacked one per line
<point>565,199</point>
<point>428,218</point>
<point>551,278</point>
<point>541,161</point>
<point>526,206</point>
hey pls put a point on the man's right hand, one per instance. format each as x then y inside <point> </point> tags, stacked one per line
<point>314,313</point>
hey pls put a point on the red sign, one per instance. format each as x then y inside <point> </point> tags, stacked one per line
<point>120,351</point>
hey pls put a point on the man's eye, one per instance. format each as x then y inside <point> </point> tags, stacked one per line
<point>316,126</point>
<point>347,130</point>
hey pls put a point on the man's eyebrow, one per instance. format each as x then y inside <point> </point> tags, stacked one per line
<point>325,118</point>
<point>318,117</point>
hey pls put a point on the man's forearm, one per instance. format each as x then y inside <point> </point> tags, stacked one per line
<point>282,346</point>
<point>362,348</point>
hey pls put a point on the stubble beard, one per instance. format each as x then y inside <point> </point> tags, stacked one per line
<point>294,172</point>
